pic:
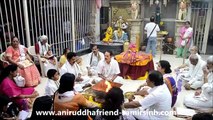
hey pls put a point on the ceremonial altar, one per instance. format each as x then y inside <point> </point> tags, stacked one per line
<point>134,64</point>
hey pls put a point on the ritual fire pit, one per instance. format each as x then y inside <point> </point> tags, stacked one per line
<point>99,90</point>
<point>105,86</point>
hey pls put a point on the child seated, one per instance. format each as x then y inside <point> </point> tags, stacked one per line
<point>53,83</point>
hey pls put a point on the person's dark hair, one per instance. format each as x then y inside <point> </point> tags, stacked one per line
<point>65,51</point>
<point>152,19</point>
<point>51,73</point>
<point>94,46</point>
<point>11,108</point>
<point>202,116</point>
<point>188,22</point>
<point>156,77</point>
<point>4,101</point>
<point>110,52</point>
<point>70,55</point>
<point>12,37</point>
<point>166,65</point>
<point>43,103</point>
<point>113,101</point>
<point>66,83</point>
<point>6,71</point>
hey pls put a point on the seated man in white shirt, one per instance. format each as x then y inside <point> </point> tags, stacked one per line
<point>158,100</point>
<point>71,66</point>
<point>108,69</point>
<point>192,50</point>
<point>94,57</point>
<point>193,78</point>
<point>202,99</point>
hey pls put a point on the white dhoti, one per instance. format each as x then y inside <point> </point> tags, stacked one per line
<point>79,85</point>
<point>118,79</point>
<point>195,84</point>
<point>197,102</point>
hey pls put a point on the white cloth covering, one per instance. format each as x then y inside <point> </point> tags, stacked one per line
<point>204,100</point>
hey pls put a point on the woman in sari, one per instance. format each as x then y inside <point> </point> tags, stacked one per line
<point>67,99</point>
<point>23,97</point>
<point>185,41</point>
<point>164,68</point>
<point>17,54</point>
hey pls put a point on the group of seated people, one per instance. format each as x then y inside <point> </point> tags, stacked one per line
<point>64,93</point>
<point>199,77</point>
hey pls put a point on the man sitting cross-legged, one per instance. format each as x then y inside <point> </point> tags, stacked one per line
<point>202,99</point>
<point>193,77</point>
<point>71,66</point>
<point>93,58</point>
<point>108,69</point>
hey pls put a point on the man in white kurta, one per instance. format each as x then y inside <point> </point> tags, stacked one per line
<point>193,77</point>
<point>93,58</point>
<point>41,49</point>
<point>108,69</point>
<point>203,99</point>
<point>156,103</point>
<point>71,66</point>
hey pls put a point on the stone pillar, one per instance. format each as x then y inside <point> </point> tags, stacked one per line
<point>135,30</point>
<point>97,25</point>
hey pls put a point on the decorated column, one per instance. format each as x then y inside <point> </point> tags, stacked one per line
<point>135,23</point>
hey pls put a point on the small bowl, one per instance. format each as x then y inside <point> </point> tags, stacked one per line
<point>129,94</point>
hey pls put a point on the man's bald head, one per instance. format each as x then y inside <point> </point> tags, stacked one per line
<point>210,63</point>
<point>193,50</point>
<point>193,59</point>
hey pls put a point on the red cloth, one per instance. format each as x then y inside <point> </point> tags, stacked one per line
<point>37,48</point>
<point>135,71</point>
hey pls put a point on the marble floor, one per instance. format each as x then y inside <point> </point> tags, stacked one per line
<point>132,85</point>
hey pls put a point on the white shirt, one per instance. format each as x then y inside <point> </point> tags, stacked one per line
<point>68,68</point>
<point>94,59</point>
<point>196,72</point>
<point>108,70</point>
<point>51,87</point>
<point>149,27</point>
<point>159,99</point>
<point>207,88</point>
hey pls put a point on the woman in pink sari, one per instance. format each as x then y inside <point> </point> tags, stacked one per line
<point>23,97</point>
<point>17,54</point>
<point>185,41</point>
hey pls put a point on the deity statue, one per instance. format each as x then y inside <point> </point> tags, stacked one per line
<point>157,12</point>
<point>108,35</point>
<point>134,8</point>
<point>182,11</point>
<point>120,34</point>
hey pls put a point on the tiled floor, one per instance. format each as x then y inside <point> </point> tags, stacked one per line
<point>133,85</point>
